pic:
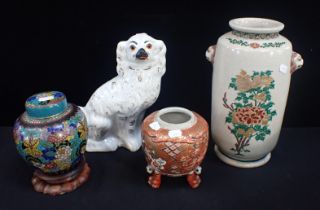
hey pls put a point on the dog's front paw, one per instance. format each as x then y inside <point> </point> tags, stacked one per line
<point>133,144</point>
<point>106,145</point>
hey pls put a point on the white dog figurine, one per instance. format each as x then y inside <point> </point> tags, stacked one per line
<point>116,109</point>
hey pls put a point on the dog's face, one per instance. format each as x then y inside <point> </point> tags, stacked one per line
<point>141,49</point>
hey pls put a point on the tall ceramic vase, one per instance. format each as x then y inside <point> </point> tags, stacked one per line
<point>252,70</point>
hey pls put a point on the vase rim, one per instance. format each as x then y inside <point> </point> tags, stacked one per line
<point>186,123</point>
<point>256,25</point>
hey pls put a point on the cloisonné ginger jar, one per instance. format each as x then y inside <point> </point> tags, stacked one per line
<point>51,136</point>
<point>175,141</point>
<point>252,65</point>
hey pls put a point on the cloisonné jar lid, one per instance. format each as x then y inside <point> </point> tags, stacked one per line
<point>46,104</point>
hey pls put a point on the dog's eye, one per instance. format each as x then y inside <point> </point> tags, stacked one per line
<point>132,47</point>
<point>149,46</point>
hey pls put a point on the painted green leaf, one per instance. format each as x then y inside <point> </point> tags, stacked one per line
<point>268,73</point>
<point>268,97</point>
<point>232,85</point>
<point>260,137</point>
<point>238,98</point>
<point>257,127</point>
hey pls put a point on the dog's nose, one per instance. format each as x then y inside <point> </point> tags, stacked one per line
<point>142,54</point>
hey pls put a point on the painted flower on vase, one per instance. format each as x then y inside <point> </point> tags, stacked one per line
<point>63,164</point>
<point>158,163</point>
<point>63,153</point>
<point>260,97</point>
<point>53,148</point>
<point>255,45</point>
<point>49,166</point>
<point>31,147</point>
<point>83,131</point>
<point>56,137</point>
<point>243,81</point>
<point>249,115</point>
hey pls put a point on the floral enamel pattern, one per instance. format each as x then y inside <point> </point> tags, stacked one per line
<point>54,148</point>
<point>255,45</point>
<point>175,156</point>
<point>250,114</point>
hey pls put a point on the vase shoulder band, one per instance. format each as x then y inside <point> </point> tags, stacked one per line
<point>255,35</point>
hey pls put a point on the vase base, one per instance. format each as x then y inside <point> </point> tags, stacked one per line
<point>60,184</point>
<point>241,164</point>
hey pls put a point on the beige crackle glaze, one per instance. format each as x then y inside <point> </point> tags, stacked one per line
<point>254,45</point>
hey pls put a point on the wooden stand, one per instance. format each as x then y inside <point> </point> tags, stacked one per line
<point>60,184</point>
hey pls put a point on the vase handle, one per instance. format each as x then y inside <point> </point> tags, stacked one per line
<point>296,62</point>
<point>211,51</point>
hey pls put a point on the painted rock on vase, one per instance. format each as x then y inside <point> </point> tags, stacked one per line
<point>252,70</point>
<point>175,141</point>
<point>51,136</point>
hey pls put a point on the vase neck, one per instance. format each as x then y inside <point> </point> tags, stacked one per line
<point>255,35</point>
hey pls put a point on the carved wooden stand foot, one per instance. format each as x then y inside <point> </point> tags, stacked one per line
<point>194,180</point>
<point>155,180</point>
<point>59,185</point>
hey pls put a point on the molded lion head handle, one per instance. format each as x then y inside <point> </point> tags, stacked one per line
<point>210,53</point>
<point>296,59</point>
<point>296,62</point>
